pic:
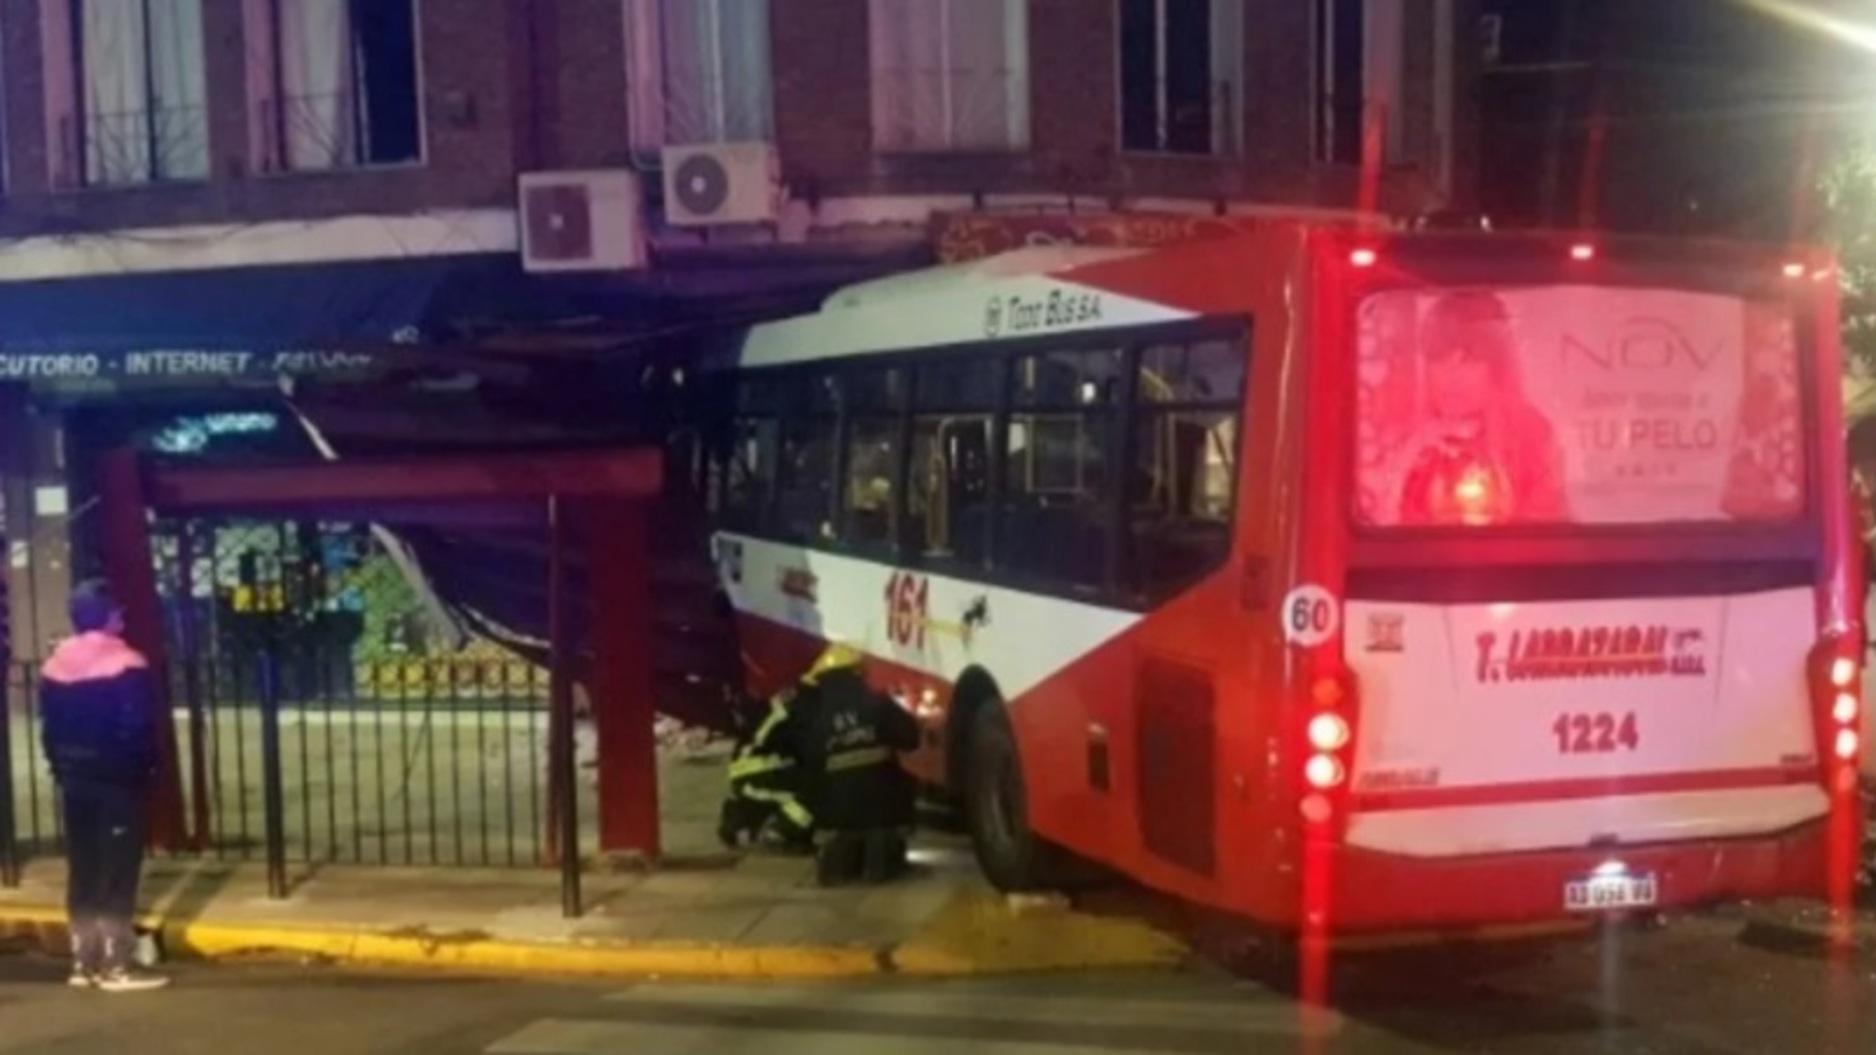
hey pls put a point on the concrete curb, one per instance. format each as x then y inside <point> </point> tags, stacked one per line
<point>961,941</point>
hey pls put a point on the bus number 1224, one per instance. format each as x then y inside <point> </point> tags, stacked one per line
<point>1599,734</point>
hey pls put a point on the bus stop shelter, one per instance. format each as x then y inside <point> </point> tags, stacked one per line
<point>592,507</point>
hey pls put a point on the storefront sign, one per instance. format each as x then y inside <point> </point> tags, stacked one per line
<point>165,364</point>
<point>961,237</point>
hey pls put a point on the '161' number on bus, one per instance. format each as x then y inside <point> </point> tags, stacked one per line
<point>908,599</point>
<point>1595,734</point>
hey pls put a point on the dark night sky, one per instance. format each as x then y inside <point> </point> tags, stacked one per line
<point>1705,104</point>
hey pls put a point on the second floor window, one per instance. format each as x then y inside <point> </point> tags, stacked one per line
<point>333,83</point>
<point>950,74</point>
<point>1359,68</point>
<point>126,88</point>
<point>1182,75</point>
<point>716,71</point>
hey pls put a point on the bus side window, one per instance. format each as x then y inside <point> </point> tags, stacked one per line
<point>750,463</point>
<point>749,474</point>
<point>869,503</point>
<point>1182,485</point>
<point>949,490</point>
<point>948,485</point>
<point>804,505</point>
<point>1054,522</point>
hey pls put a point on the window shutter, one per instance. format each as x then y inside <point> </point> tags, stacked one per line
<point>111,41</point>
<point>317,95</point>
<point>748,111</point>
<point>987,78</point>
<point>907,49</point>
<point>179,80</point>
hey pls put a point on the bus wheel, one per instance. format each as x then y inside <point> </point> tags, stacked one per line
<point>996,808</point>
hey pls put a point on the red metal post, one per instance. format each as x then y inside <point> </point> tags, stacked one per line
<point>564,815</point>
<point>132,571</point>
<point>621,676</point>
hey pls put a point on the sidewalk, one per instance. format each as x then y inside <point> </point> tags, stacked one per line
<point>703,913</point>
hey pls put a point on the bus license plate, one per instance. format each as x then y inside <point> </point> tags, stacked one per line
<point>1602,893</point>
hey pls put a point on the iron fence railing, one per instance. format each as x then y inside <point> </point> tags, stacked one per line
<point>416,762</point>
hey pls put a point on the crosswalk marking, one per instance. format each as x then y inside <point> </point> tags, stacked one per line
<point>1242,1006</point>
<point>1011,1018</point>
<point>581,1037</point>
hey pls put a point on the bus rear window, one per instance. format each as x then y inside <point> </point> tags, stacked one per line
<point>1574,404</point>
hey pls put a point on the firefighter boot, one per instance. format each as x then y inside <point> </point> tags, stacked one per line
<point>884,856</point>
<point>740,820</point>
<point>841,859</point>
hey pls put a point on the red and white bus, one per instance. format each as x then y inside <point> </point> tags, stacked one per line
<point>1344,580</point>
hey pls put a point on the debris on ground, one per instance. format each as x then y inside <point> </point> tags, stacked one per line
<point>688,743</point>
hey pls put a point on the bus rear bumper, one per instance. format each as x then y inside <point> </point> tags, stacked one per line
<point>1376,891</point>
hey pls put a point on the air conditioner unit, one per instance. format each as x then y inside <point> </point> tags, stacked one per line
<point>582,221</point>
<point>719,183</point>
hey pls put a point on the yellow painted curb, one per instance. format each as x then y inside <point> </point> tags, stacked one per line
<point>980,933</point>
<point>976,933</point>
<point>221,941</point>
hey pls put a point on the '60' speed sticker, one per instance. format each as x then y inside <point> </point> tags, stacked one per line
<point>1311,615</point>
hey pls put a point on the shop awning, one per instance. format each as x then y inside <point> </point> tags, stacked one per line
<point>354,318</point>
<point>324,319</point>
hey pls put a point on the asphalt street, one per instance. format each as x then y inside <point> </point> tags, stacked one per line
<point>1707,986</point>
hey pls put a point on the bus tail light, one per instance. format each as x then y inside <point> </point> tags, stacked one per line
<point>1328,732</point>
<point>1842,672</point>
<point>1325,771</point>
<point>1836,679</point>
<point>1836,684</point>
<point>1327,692</point>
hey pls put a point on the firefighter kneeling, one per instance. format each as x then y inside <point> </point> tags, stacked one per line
<point>826,757</point>
<point>767,781</point>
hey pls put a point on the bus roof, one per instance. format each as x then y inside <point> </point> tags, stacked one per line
<point>1021,293</point>
<point>1033,260</point>
<point>1051,290</point>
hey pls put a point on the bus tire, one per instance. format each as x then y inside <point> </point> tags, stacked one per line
<point>1009,852</point>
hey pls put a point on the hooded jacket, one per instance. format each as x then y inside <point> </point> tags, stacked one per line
<point>97,711</point>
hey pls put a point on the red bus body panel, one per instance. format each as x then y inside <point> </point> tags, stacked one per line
<point>1239,843</point>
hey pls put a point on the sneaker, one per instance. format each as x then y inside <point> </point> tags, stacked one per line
<point>127,981</point>
<point>81,979</point>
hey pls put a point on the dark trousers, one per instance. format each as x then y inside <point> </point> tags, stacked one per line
<point>871,855</point>
<point>104,830</point>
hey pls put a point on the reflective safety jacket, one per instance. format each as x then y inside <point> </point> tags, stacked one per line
<point>851,737</point>
<point>767,767</point>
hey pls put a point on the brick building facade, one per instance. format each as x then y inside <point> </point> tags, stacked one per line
<point>181,174</point>
<point>508,86</point>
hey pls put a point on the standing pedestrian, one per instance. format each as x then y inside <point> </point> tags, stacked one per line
<point>100,735</point>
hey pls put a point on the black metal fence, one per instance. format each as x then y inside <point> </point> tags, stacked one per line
<point>324,712</point>
<point>418,762</point>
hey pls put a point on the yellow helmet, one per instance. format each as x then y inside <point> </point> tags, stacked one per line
<point>837,657</point>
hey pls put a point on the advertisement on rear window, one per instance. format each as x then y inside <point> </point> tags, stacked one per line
<point>1575,405</point>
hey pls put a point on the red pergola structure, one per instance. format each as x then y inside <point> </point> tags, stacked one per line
<point>606,493</point>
